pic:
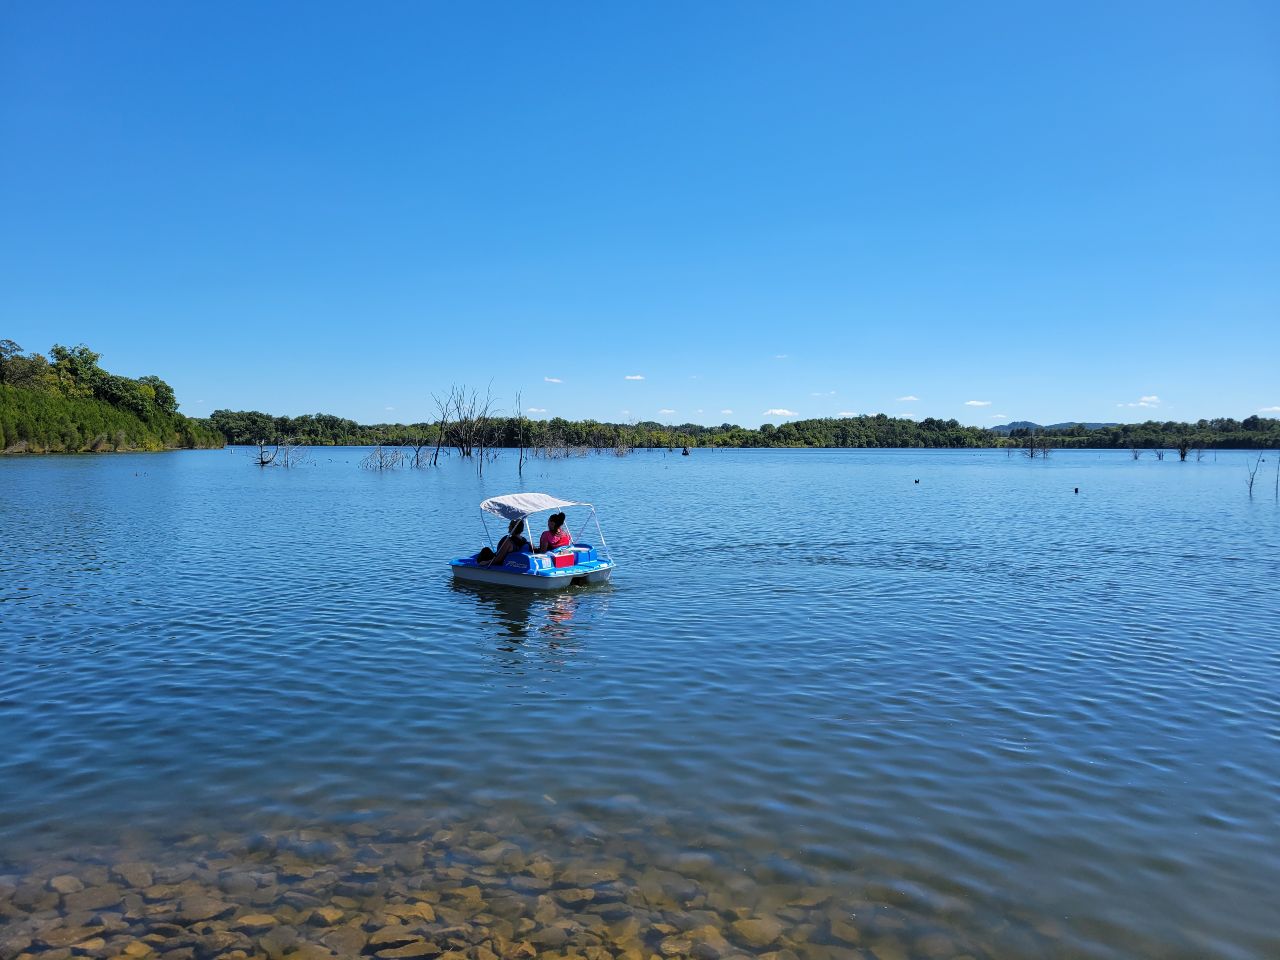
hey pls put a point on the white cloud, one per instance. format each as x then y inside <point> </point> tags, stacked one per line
<point>388,408</point>
<point>552,380</point>
<point>633,376</point>
<point>726,411</point>
<point>999,416</point>
<point>977,403</point>
<point>697,411</point>
<point>1151,401</point>
<point>626,413</point>
<point>1263,410</point>
<point>537,409</point>
<point>827,393</point>
<point>908,399</point>
<point>847,413</point>
<point>780,412</point>
<point>665,410</point>
<point>780,356</point>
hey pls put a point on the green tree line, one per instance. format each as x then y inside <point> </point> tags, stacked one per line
<point>879,430</point>
<point>66,403</point>
<point>1222,433</point>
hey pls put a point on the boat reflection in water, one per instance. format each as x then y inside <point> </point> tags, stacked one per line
<point>520,615</point>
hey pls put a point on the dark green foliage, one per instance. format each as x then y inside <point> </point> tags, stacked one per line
<point>162,394</point>
<point>247,427</point>
<point>1222,433</point>
<point>69,404</point>
<point>321,429</point>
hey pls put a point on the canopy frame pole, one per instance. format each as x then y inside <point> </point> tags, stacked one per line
<point>582,529</point>
<point>487,535</point>
<point>608,553</point>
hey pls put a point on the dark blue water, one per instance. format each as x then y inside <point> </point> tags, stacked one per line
<point>982,706</point>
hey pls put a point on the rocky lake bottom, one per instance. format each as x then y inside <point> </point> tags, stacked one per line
<point>496,887</point>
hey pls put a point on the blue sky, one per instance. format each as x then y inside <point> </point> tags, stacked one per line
<point>1003,210</point>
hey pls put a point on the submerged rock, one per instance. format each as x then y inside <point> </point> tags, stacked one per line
<point>675,947</point>
<point>843,930</point>
<point>134,874</point>
<point>64,936</point>
<point>575,895</point>
<point>254,921</point>
<point>549,937</point>
<point>347,941</point>
<point>201,906</point>
<point>276,942</point>
<point>393,936</point>
<point>92,898</point>
<point>889,949</point>
<point>65,883</point>
<point>325,916</point>
<point>757,931</point>
<point>418,948</point>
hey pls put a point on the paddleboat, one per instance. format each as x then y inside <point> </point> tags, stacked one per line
<point>574,565</point>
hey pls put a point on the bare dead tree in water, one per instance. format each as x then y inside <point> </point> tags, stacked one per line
<point>417,445</point>
<point>484,427</point>
<point>383,458</point>
<point>1135,453</point>
<point>443,406</point>
<point>1199,454</point>
<point>1184,447</point>
<point>265,458</point>
<point>622,442</point>
<point>519,434</point>
<point>1036,445</point>
<point>290,453</point>
<point>471,417</point>
<point>1253,472</point>
<point>1159,454</point>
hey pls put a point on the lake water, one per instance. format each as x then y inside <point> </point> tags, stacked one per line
<point>824,711</point>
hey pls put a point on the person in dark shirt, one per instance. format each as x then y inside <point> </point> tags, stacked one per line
<point>513,542</point>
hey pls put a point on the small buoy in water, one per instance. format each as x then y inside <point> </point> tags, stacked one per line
<point>917,481</point>
<point>1077,489</point>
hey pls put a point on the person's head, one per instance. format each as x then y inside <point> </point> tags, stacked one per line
<point>513,528</point>
<point>555,522</point>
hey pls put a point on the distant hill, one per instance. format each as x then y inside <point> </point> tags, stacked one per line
<point>1008,428</point>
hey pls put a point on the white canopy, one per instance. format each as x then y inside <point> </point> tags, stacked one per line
<point>517,506</point>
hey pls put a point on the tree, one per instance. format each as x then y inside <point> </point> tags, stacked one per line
<point>165,400</point>
<point>8,350</point>
<point>75,369</point>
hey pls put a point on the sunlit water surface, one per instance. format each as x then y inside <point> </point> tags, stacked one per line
<point>982,713</point>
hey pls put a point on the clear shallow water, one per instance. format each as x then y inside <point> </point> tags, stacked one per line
<point>981,707</point>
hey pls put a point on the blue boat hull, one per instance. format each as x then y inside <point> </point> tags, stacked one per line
<point>593,571</point>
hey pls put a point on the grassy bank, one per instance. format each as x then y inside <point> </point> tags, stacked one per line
<point>35,422</point>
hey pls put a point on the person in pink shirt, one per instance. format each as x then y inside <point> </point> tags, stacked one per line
<point>555,535</point>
